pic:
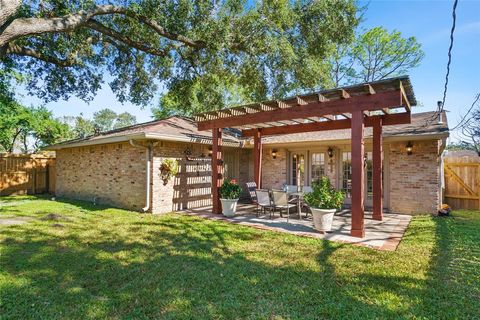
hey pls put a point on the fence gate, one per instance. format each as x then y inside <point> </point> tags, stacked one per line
<point>462,183</point>
<point>26,174</point>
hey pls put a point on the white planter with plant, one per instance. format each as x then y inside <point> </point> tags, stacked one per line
<point>323,201</point>
<point>229,193</point>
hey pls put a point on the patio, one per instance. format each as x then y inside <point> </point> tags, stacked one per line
<point>381,235</point>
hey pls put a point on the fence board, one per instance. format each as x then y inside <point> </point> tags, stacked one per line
<point>26,174</point>
<point>462,182</point>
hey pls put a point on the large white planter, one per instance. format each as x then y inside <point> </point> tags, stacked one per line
<point>323,219</point>
<point>229,207</point>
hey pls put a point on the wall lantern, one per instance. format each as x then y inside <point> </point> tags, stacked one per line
<point>330,152</point>
<point>210,151</point>
<point>274,153</point>
<point>409,148</point>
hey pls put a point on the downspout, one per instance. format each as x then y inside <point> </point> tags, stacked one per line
<point>149,169</point>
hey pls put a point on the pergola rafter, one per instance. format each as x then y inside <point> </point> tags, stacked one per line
<point>363,105</point>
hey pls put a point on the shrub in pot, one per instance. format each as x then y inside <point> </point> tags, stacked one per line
<point>323,201</point>
<point>229,193</point>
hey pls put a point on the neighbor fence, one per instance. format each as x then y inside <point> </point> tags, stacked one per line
<point>462,182</point>
<point>26,174</point>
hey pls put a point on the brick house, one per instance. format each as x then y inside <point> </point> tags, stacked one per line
<point>122,167</point>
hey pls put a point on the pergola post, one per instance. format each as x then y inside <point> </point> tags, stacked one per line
<point>358,189</point>
<point>377,169</point>
<point>257,158</point>
<point>217,169</point>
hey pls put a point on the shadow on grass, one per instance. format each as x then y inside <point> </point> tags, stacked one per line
<point>182,267</point>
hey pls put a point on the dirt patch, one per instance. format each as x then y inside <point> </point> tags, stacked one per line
<point>55,217</point>
<point>12,220</point>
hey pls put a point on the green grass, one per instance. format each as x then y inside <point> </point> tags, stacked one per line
<point>96,262</point>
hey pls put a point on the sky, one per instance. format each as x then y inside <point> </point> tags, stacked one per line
<point>428,21</point>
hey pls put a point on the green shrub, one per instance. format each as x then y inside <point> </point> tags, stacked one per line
<point>230,189</point>
<point>324,196</point>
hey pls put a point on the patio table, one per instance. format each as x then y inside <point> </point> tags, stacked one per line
<point>298,195</point>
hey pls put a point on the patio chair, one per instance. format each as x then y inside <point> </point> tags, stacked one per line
<point>252,187</point>
<point>280,202</point>
<point>307,189</point>
<point>264,201</point>
<point>291,188</point>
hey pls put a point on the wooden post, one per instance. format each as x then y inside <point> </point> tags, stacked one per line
<point>217,169</point>
<point>377,169</point>
<point>257,158</point>
<point>358,188</point>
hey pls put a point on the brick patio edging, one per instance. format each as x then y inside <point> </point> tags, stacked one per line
<point>390,244</point>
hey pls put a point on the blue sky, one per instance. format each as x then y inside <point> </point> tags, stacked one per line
<point>428,21</point>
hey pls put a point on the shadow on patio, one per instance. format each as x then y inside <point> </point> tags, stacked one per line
<point>382,235</point>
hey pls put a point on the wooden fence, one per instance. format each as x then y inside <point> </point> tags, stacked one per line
<point>26,174</point>
<point>462,182</point>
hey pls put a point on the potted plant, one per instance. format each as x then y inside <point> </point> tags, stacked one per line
<point>323,201</point>
<point>229,193</point>
<point>168,169</point>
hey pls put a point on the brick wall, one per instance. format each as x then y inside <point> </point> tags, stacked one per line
<point>415,178</point>
<point>274,171</point>
<point>192,185</point>
<point>112,174</point>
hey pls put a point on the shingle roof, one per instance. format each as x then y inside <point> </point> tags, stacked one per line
<point>184,129</point>
<point>423,124</point>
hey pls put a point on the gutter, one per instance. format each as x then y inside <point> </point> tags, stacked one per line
<point>148,150</point>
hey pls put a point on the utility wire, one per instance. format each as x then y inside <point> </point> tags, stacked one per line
<point>441,107</point>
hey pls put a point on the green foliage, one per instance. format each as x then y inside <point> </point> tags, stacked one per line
<point>107,119</point>
<point>230,189</point>
<point>168,169</point>
<point>324,196</point>
<point>28,128</point>
<point>374,55</point>
<point>243,51</point>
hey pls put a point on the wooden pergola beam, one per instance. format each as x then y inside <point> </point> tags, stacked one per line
<point>377,101</point>
<point>391,119</point>
<point>404,99</point>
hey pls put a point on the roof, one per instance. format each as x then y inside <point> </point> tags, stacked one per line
<point>183,129</point>
<point>377,97</point>
<point>423,125</point>
<point>175,128</point>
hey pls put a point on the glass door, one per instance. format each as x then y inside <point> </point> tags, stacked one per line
<point>346,177</point>
<point>297,168</point>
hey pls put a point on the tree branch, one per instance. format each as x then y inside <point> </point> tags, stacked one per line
<point>97,26</point>
<point>7,9</point>
<point>33,26</point>
<point>27,52</point>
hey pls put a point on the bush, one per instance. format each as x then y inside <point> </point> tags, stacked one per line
<point>230,190</point>
<point>324,196</point>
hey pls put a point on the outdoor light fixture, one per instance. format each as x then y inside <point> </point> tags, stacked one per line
<point>409,148</point>
<point>330,152</point>
<point>210,151</point>
<point>274,153</point>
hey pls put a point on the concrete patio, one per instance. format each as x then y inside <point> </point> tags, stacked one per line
<point>381,235</point>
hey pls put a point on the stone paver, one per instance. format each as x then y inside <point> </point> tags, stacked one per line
<point>382,235</point>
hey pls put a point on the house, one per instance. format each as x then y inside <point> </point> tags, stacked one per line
<point>123,167</point>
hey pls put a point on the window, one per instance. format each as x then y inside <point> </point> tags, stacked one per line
<point>347,173</point>
<point>369,172</point>
<point>294,169</point>
<point>318,166</point>
<point>297,169</point>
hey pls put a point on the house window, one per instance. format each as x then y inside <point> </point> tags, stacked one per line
<point>318,166</point>
<point>369,172</point>
<point>294,169</point>
<point>347,173</point>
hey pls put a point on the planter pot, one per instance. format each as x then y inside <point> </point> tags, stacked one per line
<point>323,219</point>
<point>229,207</point>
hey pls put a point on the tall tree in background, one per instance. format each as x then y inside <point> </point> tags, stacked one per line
<point>206,54</point>
<point>107,119</point>
<point>470,127</point>
<point>374,55</point>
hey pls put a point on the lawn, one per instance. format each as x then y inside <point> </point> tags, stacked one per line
<point>76,260</point>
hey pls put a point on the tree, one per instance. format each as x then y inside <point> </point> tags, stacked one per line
<point>107,119</point>
<point>470,126</point>
<point>206,54</point>
<point>28,127</point>
<point>374,55</point>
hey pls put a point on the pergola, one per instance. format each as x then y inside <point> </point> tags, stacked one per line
<point>374,104</point>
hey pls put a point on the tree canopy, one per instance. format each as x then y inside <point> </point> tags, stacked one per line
<point>205,54</point>
<point>374,55</point>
